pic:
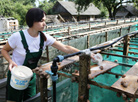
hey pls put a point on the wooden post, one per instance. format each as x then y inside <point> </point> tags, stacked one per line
<point>89,26</point>
<point>128,29</point>
<point>116,22</point>
<point>130,20</point>
<point>105,23</point>
<point>43,89</point>
<point>46,28</point>
<point>106,36</point>
<point>69,30</point>
<point>124,20</point>
<point>84,71</point>
<point>120,32</point>
<point>47,53</point>
<point>135,18</point>
<point>63,25</point>
<point>88,40</point>
<point>126,45</point>
<point>3,37</point>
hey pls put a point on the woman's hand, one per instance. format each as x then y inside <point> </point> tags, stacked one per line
<point>11,65</point>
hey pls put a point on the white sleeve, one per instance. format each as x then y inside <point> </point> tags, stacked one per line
<point>50,40</point>
<point>12,40</point>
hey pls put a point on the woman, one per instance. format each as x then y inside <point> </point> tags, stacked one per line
<point>27,46</point>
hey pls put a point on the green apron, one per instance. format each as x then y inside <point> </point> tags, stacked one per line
<point>30,61</point>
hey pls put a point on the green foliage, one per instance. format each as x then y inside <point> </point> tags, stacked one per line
<point>15,8</point>
<point>20,11</point>
<point>25,2</point>
<point>53,1</point>
<point>103,9</point>
<point>6,8</point>
<point>46,6</point>
<point>82,4</point>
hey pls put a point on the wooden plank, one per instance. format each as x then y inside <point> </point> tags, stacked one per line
<point>95,69</point>
<point>131,79</point>
<point>67,61</point>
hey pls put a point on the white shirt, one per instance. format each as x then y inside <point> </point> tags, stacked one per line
<point>19,52</point>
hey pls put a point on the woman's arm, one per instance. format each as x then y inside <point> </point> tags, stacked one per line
<point>64,48</point>
<point>67,49</point>
<point>6,55</point>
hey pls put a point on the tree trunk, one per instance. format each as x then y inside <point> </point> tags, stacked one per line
<point>114,11</point>
<point>110,14</point>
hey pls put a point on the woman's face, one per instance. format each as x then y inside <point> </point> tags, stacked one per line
<point>39,26</point>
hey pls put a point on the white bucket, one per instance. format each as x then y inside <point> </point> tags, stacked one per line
<point>20,77</point>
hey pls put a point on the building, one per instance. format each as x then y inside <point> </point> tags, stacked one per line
<point>8,24</point>
<point>126,11</point>
<point>67,10</point>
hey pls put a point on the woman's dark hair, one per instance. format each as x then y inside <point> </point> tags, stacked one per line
<point>35,15</point>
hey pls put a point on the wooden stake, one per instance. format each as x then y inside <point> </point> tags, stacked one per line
<point>106,36</point>
<point>46,28</point>
<point>126,45</point>
<point>88,40</point>
<point>83,78</point>
<point>68,30</point>
<point>47,53</point>
<point>43,90</point>
<point>116,22</point>
<point>128,29</point>
<point>105,23</point>
<point>89,26</point>
<point>120,32</point>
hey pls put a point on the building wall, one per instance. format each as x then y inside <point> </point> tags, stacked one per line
<point>8,24</point>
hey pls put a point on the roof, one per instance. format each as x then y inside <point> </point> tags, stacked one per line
<point>71,8</point>
<point>131,9</point>
<point>119,13</point>
<point>128,9</point>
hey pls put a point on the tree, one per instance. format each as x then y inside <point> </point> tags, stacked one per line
<point>111,5</point>
<point>46,6</point>
<point>53,1</point>
<point>20,11</point>
<point>25,2</point>
<point>11,8</point>
<point>6,8</point>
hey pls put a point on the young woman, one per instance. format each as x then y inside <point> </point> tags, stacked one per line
<point>27,46</point>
